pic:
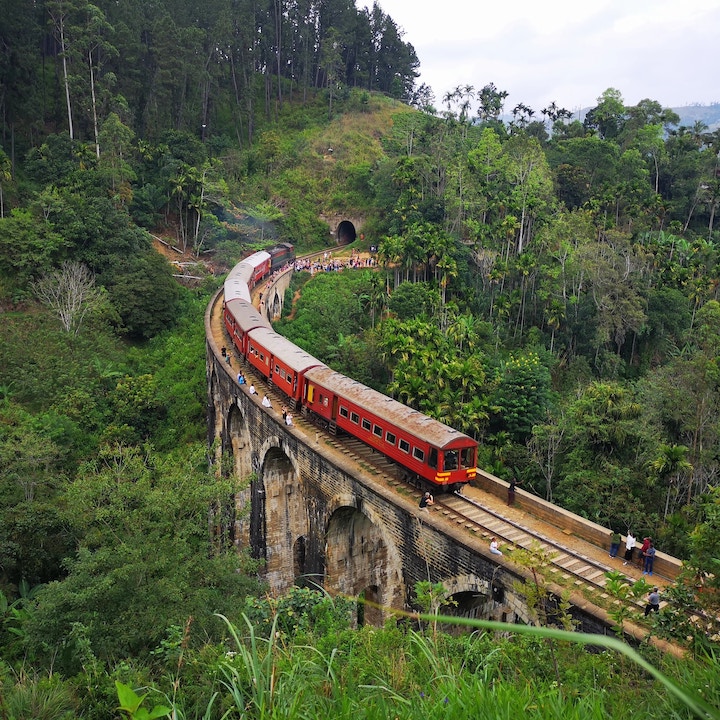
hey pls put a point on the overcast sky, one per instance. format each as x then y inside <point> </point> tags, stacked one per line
<point>567,51</point>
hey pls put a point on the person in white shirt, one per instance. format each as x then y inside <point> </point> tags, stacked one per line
<point>629,547</point>
<point>266,402</point>
<point>494,547</point>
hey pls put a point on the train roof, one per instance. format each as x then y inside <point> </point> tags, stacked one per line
<point>257,259</point>
<point>286,352</point>
<point>382,406</point>
<point>245,314</point>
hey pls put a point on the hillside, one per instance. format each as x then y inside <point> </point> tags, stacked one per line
<point>707,114</point>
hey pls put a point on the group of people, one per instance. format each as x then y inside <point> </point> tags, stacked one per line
<point>646,552</point>
<point>266,402</point>
<point>330,264</point>
<point>645,557</point>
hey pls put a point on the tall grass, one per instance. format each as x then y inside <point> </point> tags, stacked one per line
<point>272,679</point>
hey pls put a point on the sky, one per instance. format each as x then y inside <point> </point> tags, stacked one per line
<point>566,51</point>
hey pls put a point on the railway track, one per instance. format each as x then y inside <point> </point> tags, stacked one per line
<point>467,512</point>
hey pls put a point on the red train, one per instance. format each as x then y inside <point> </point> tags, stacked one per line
<point>426,448</point>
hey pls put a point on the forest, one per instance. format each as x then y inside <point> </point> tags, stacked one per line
<point>546,284</point>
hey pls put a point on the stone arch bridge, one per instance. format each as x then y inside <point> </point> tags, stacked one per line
<point>313,515</point>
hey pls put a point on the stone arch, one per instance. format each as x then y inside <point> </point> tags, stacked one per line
<point>369,611</point>
<point>345,233</point>
<point>279,515</point>
<point>238,442</point>
<point>491,598</point>
<point>236,458</point>
<point>274,303</point>
<point>360,560</point>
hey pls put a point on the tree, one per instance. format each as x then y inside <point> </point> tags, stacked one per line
<point>491,102</point>
<point>28,247</point>
<point>143,560</point>
<point>144,294</point>
<point>671,464</point>
<point>608,116</point>
<point>5,176</point>
<point>70,293</point>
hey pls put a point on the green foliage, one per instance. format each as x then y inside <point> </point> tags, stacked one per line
<point>142,564</point>
<point>144,294</point>
<point>522,395</point>
<point>299,612</point>
<point>28,247</point>
<point>131,704</point>
<point>330,308</point>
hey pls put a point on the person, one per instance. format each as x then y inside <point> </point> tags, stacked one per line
<point>266,402</point>
<point>643,549</point>
<point>615,540</point>
<point>425,500</point>
<point>288,419</point>
<point>228,359</point>
<point>494,547</point>
<point>649,560</point>
<point>284,413</point>
<point>511,491</point>
<point>653,604</point>
<point>629,547</point>
<point>241,379</point>
<point>252,389</point>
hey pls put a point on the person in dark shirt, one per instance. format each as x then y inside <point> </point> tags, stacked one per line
<point>653,604</point>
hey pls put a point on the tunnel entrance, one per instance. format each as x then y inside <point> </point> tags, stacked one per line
<point>346,233</point>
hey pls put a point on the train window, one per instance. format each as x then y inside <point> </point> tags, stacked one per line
<point>418,454</point>
<point>451,460</point>
<point>377,430</point>
<point>432,460</point>
<point>343,411</point>
<point>366,425</point>
<point>354,417</point>
<point>404,445</point>
<point>389,437</point>
<point>468,457</point>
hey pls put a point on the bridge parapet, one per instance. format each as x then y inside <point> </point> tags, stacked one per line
<point>571,524</point>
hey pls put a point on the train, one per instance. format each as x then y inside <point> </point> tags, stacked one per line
<point>430,452</point>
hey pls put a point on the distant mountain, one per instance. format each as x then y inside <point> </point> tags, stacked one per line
<point>708,114</point>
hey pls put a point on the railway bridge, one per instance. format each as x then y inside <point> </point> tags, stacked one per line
<point>318,511</point>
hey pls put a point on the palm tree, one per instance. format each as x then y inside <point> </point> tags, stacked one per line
<point>671,463</point>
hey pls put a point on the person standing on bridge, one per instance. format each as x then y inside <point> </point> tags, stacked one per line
<point>615,540</point>
<point>643,549</point>
<point>649,560</point>
<point>629,547</point>
<point>511,491</point>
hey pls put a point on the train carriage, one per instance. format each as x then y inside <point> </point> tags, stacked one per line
<point>240,318</point>
<point>432,450</point>
<point>283,363</point>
